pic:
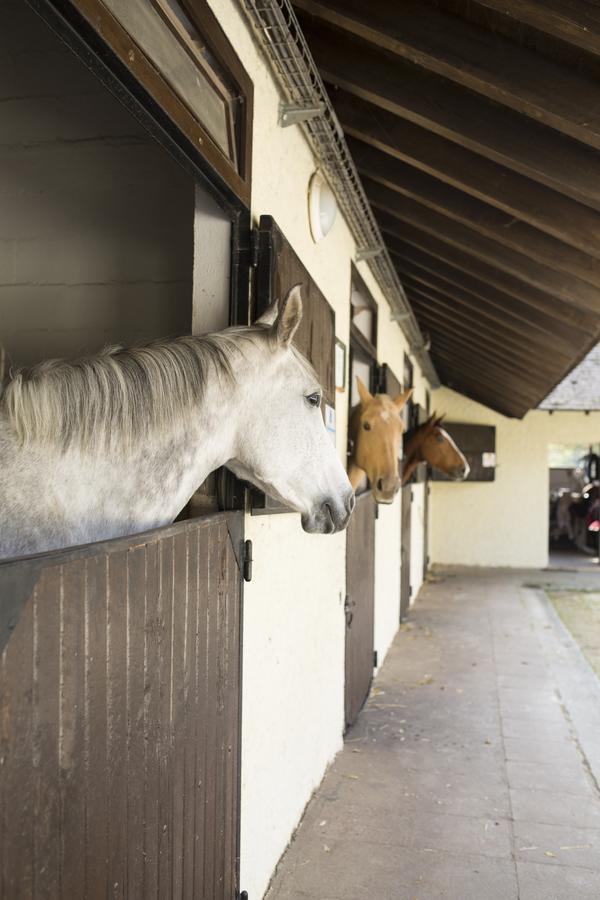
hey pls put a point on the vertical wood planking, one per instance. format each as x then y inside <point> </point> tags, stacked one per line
<point>165,786</point>
<point>17,749</point>
<point>72,730</point>
<point>96,726</point>
<point>179,712</point>
<point>405,523</point>
<point>152,632</point>
<point>210,729</point>
<point>46,713</point>
<point>222,714</point>
<point>116,689</point>
<point>123,676</point>
<point>202,705</point>
<point>190,704</point>
<point>136,601</point>
<point>360,585</point>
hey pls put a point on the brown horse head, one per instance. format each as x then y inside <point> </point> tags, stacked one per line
<point>432,444</point>
<point>375,432</point>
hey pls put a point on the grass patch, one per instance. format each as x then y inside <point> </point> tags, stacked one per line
<point>580,612</point>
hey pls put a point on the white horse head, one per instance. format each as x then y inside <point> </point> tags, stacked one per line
<point>116,443</point>
<point>282,444</point>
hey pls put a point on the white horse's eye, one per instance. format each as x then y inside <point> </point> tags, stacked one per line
<point>314,399</point>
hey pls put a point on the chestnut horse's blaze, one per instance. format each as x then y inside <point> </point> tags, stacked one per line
<point>432,444</point>
<point>375,432</point>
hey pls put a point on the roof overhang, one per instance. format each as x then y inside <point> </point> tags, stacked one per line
<point>475,127</point>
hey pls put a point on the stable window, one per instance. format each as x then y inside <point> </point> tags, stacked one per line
<point>179,53</point>
<point>279,268</point>
<point>363,317</point>
<point>116,240</point>
<point>478,445</point>
<point>363,344</point>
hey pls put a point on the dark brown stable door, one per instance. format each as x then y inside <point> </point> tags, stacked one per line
<point>405,519</point>
<point>360,605</point>
<point>120,711</point>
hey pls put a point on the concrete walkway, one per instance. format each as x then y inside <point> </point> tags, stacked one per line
<point>473,772</point>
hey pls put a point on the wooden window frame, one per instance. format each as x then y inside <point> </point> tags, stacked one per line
<point>109,41</point>
<point>356,335</point>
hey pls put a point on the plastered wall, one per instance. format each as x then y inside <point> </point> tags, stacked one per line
<point>294,632</point>
<point>504,522</point>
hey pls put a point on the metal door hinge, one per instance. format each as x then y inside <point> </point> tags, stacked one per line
<point>247,561</point>
<point>374,659</point>
<point>410,591</point>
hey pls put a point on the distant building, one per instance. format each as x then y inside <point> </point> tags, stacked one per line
<point>581,387</point>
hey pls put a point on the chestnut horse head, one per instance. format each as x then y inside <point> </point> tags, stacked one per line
<point>432,444</point>
<point>375,432</point>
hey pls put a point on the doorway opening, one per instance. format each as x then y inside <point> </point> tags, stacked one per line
<point>574,513</point>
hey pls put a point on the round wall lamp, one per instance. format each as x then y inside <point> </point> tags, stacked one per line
<point>322,207</point>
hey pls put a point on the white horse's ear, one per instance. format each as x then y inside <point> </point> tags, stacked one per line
<point>269,315</point>
<point>402,399</point>
<point>365,395</point>
<point>289,317</point>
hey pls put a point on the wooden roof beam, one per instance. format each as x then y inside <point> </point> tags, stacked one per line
<point>458,115</point>
<point>575,22</point>
<point>495,316</point>
<point>547,210</point>
<point>550,312</point>
<point>511,367</point>
<point>477,377</point>
<point>565,288</point>
<point>462,385</point>
<point>474,58</point>
<point>497,312</point>
<point>498,226</point>
<point>426,300</point>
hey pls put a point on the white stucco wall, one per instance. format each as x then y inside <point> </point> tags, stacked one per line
<point>504,522</point>
<point>294,626</point>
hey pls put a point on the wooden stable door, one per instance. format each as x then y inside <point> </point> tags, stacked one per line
<point>405,520</point>
<point>120,711</point>
<point>360,605</point>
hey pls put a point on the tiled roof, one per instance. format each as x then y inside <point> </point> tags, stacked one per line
<point>580,389</point>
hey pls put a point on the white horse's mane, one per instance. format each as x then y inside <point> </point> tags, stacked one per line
<point>120,396</point>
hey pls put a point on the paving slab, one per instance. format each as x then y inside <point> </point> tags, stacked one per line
<point>472,771</point>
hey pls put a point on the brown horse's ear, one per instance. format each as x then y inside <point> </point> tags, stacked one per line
<point>402,399</point>
<point>365,395</point>
<point>439,419</point>
<point>289,317</point>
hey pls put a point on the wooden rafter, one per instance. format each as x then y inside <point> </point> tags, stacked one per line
<point>475,128</point>
<point>458,115</point>
<point>573,21</point>
<point>474,175</point>
<point>474,58</point>
<point>520,265</point>
<point>499,226</point>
